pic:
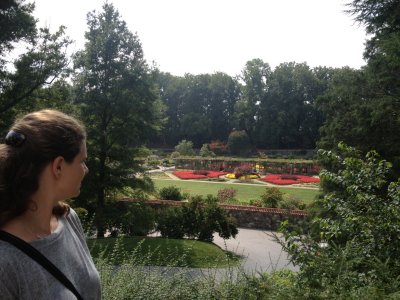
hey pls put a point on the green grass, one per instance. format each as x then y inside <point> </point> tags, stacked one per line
<point>245,193</point>
<point>157,251</point>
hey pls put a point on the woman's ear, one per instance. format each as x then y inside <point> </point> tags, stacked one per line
<point>57,166</point>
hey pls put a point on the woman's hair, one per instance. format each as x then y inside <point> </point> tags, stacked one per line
<point>32,142</point>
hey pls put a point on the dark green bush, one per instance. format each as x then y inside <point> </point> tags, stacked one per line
<point>293,203</point>
<point>272,197</point>
<point>171,193</point>
<point>170,223</point>
<point>239,143</point>
<point>198,219</point>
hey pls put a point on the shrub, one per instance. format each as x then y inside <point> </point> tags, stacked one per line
<point>206,152</point>
<point>185,148</point>
<point>131,219</point>
<point>226,195</point>
<point>218,147</point>
<point>243,170</point>
<point>272,197</point>
<point>359,222</point>
<point>202,217</point>
<point>170,223</point>
<point>199,219</point>
<point>293,203</point>
<point>238,143</point>
<point>138,220</point>
<point>256,203</point>
<point>175,154</point>
<point>171,193</point>
<point>81,212</point>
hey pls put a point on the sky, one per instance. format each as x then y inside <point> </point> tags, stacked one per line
<point>208,36</point>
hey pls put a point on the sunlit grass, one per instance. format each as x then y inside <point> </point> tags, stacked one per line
<point>245,192</point>
<point>158,251</point>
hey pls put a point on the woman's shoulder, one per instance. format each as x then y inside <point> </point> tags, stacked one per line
<point>9,255</point>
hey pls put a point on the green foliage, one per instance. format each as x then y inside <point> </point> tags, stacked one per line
<point>239,143</point>
<point>175,154</point>
<point>130,219</point>
<point>358,224</point>
<point>185,148</point>
<point>198,219</point>
<point>206,152</point>
<point>171,193</point>
<point>24,74</point>
<point>272,197</point>
<point>115,92</point>
<point>293,203</point>
<point>81,212</point>
<point>226,195</point>
<point>170,223</point>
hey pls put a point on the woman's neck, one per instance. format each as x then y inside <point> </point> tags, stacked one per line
<point>33,224</point>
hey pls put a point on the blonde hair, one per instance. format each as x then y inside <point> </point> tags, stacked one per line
<point>33,141</point>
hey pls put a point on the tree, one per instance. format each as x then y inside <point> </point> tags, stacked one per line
<point>288,117</point>
<point>362,106</point>
<point>185,148</point>
<point>256,76</point>
<point>239,143</point>
<point>119,105</point>
<point>43,62</point>
<point>354,238</point>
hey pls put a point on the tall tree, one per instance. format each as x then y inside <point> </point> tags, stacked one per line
<point>44,60</point>
<point>371,97</point>
<point>255,76</point>
<point>119,104</point>
<point>288,117</point>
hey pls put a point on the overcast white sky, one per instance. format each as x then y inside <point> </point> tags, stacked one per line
<point>206,36</point>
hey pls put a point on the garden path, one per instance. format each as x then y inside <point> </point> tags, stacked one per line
<point>260,251</point>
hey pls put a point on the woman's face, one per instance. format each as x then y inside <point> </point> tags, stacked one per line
<point>73,174</point>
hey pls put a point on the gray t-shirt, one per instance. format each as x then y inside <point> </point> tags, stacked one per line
<point>23,278</point>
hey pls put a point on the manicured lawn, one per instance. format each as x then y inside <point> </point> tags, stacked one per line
<point>157,251</point>
<point>245,193</point>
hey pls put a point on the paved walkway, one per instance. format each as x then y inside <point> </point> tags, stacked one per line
<point>259,250</point>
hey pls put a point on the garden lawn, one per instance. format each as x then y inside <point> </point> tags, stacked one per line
<point>156,251</point>
<point>245,192</point>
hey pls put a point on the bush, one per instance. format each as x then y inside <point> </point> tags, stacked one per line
<point>131,219</point>
<point>226,195</point>
<point>81,212</point>
<point>199,219</point>
<point>359,224</point>
<point>185,148</point>
<point>272,197</point>
<point>238,143</point>
<point>175,154</point>
<point>217,147</point>
<point>206,152</point>
<point>171,193</point>
<point>293,203</point>
<point>170,223</point>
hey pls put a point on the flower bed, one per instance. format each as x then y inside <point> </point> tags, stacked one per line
<point>285,179</point>
<point>197,174</point>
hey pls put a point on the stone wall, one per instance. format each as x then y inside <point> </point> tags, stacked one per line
<point>264,218</point>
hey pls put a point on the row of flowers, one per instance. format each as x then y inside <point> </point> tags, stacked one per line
<point>285,179</point>
<point>279,179</point>
<point>202,174</point>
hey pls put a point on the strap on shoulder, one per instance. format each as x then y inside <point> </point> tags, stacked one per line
<point>33,253</point>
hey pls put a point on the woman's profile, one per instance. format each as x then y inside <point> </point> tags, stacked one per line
<point>42,164</point>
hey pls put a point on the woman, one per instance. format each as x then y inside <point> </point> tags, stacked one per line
<point>42,163</point>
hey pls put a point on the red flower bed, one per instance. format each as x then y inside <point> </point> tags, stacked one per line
<point>284,179</point>
<point>195,174</point>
